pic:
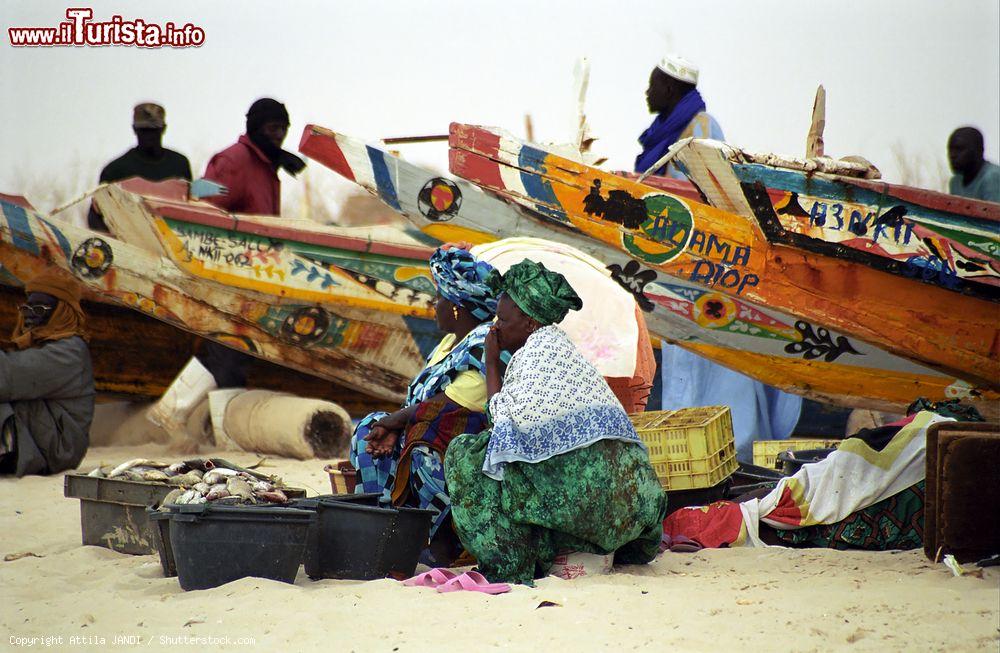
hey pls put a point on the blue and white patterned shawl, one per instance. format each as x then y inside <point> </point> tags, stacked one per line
<point>553,401</point>
<point>469,353</point>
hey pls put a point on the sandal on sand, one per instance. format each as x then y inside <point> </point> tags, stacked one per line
<point>473,581</point>
<point>431,578</point>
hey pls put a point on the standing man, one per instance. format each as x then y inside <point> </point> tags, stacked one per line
<point>249,169</point>
<point>759,411</point>
<point>974,177</point>
<point>148,159</point>
<point>46,382</point>
<point>680,113</point>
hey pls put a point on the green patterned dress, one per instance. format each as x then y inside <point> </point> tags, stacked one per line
<point>598,499</point>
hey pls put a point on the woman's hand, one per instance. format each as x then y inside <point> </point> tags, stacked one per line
<point>492,347</point>
<point>381,441</point>
<point>394,421</point>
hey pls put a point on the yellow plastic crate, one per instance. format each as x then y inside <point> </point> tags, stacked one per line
<point>690,448</point>
<point>765,452</point>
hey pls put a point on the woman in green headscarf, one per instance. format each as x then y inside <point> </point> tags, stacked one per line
<point>561,468</point>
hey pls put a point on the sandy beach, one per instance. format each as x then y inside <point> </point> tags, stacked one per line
<point>716,600</point>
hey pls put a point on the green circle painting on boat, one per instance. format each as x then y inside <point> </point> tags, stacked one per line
<point>665,231</point>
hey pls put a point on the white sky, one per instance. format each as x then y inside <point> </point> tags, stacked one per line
<point>899,74</point>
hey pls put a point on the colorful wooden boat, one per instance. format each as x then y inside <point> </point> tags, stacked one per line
<point>141,368</point>
<point>776,347</point>
<point>946,241</point>
<point>732,254</point>
<point>251,283</point>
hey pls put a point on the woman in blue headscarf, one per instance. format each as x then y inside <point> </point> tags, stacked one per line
<point>400,454</point>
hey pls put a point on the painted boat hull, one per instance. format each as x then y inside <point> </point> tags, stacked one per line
<point>947,242</point>
<point>372,351</point>
<point>756,340</point>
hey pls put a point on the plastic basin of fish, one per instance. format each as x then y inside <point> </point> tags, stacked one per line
<point>364,542</point>
<point>213,545</point>
<point>792,461</point>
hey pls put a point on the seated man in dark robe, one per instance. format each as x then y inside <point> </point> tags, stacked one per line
<point>46,382</point>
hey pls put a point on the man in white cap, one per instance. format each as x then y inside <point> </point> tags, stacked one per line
<point>680,109</point>
<point>759,412</point>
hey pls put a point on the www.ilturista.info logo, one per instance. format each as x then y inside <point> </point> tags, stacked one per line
<point>80,30</point>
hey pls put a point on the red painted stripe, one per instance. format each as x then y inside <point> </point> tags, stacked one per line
<point>932,199</point>
<point>475,139</point>
<point>320,144</point>
<point>19,200</point>
<point>220,219</point>
<point>477,169</point>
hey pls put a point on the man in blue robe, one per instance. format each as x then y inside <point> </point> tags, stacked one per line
<point>760,412</point>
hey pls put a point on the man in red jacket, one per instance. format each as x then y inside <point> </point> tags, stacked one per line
<point>249,169</point>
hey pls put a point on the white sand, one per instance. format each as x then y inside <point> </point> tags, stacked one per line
<point>720,600</point>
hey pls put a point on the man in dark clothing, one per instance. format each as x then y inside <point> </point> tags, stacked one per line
<point>249,169</point>
<point>974,177</point>
<point>148,159</point>
<point>46,383</point>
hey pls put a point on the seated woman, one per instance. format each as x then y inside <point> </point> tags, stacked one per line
<point>46,383</point>
<point>561,468</point>
<point>400,454</point>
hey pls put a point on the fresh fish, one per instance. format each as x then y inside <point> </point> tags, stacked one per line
<point>155,476</point>
<point>177,468</point>
<point>274,496</point>
<point>219,475</point>
<point>171,497</point>
<point>97,473</point>
<point>136,462</point>
<point>239,488</point>
<point>261,486</point>
<point>133,475</point>
<point>217,492</point>
<point>187,497</point>
<point>202,487</point>
<point>187,480</point>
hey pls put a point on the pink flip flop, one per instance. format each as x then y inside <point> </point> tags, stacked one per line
<point>473,581</point>
<point>431,578</point>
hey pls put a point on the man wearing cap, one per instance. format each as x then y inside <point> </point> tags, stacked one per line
<point>148,159</point>
<point>680,113</point>
<point>249,169</point>
<point>759,412</point>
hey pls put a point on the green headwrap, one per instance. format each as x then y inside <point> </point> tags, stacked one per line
<point>543,295</point>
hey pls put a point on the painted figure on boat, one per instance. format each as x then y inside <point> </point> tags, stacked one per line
<point>560,468</point>
<point>401,454</point>
<point>46,381</point>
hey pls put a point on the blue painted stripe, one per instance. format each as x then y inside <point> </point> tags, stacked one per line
<point>20,230</point>
<point>60,238</point>
<point>537,186</point>
<point>386,190</point>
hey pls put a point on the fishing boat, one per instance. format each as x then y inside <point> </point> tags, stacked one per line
<point>267,286</point>
<point>778,347</point>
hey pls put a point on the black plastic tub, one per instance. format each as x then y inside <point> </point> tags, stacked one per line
<point>792,461</point>
<point>213,544</point>
<point>113,512</point>
<point>677,499</point>
<point>160,530</point>
<point>355,539</point>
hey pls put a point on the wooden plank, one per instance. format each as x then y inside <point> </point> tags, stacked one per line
<point>730,254</point>
<point>748,337</point>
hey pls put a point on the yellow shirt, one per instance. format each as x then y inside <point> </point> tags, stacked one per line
<point>469,387</point>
